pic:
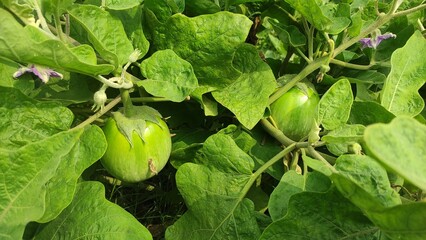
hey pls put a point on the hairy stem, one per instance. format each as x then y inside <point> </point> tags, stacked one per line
<point>312,152</point>
<point>409,11</point>
<point>98,114</point>
<point>311,67</point>
<point>59,31</point>
<point>350,65</point>
<point>264,167</point>
<point>277,134</point>
<point>127,102</point>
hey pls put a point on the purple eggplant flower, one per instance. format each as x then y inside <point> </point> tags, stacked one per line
<point>373,42</point>
<point>41,72</point>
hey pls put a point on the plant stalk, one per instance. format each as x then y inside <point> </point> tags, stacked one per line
<point>98,114</point>
<point>127,102</point>
<point>314,65</point>
<point>264,167</point>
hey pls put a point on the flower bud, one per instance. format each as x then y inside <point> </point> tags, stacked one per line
<point>100,99</point>
<point>134,56</point>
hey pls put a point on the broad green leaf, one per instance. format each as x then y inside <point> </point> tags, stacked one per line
<point>105,32</point>
<point>290,184</point>
<point>7,68</point>
<point>364,93</point>
<point>132,23</point>
<point>405,221</point>
<point>345,134</point>
<point>259,198</point>
<point>368,76</point>
<point>403,31</point>
<point>60,189</point>
<point>365,182</point>
<point>22,8</point>
<point>55,7</point>
<point>401,147</point>
<point>321,216</point>
<point>290,35</point>
<point>168,76</point>
<point>319,166</point>
<point>77,90</point>
<point>214,191</point>
<point>19,45</point>
<point>208,42</point>
<point>340,139</point>
<point>24,175</point>
<point>356,24</point>
<point>367,113</point>
<point>185,145</point>
<point>335,105</point>
<point>162,10</point>
<point>361,179</point>
<point>235,2</point>
<point>248,96</point>
<point>322,17</point>
<point>200,7</point>
<point>90,215</point>
<point>258,145</point>
<point>122,4</point>
<point>408,73</point>
<point>24,120</point>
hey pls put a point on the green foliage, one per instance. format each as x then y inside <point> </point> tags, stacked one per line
<point>121,5</point>
<point>334,107</point>
<point>324,17</point>
<point>168,76</point>
<point>291,184</point>
<point>400,92</point>
<point>399,145</point>
<point>77,222</point>
<point>340,139</point>
<point>17,44</point>
<point>320,216</point>
<point>214,190</point>
<point>104,32</point>
<point>211,73</point>
<point>39,162</point>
